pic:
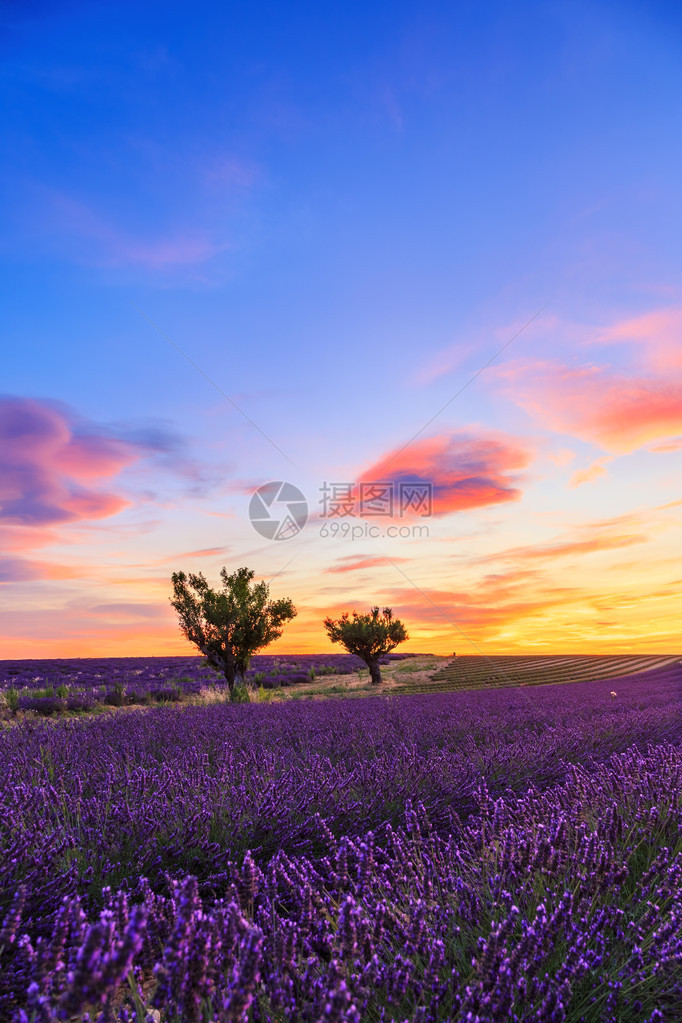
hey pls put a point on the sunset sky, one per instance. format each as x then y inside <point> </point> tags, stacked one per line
<point>337,243</point>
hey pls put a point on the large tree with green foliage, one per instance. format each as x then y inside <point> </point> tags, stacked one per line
<point>369,636</point>
<point>229,625</point>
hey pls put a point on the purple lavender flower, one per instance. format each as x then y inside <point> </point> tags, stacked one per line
<point>245,980</point>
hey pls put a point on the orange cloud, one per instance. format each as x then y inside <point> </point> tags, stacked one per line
<point>466,612</point>
<point>449,619</point>
<point>518,609</point>
<point>463,471</point>
<point>592,472</point>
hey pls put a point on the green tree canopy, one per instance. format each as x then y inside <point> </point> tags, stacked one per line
<point>369,636</point>
<point>229,625</point>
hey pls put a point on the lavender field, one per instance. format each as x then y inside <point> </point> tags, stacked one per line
<point>468,856</point>
<point>145,672</point>
<point>80,684</point>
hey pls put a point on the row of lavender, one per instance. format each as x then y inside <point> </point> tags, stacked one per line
<point>316,792</point>
<point>81,683</point>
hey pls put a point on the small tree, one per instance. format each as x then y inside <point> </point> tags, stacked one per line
<point>229,625</point>
<point>369,636</point>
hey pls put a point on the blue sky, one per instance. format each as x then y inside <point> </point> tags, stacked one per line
<point>340,214</point>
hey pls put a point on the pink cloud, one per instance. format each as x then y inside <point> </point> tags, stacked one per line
<point>464,471</point>
<point>52,467</point>
<point>44,465</point>
<point>48,462</point>
<point>660,331</point>
<point>94,457</point>
<point>25,538</point>
<point>618,412</point>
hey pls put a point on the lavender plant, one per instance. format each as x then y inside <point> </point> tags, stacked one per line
<point>529,911</point>
<point>478,856</point>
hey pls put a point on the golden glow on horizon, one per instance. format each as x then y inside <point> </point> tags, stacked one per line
<point>542,564</point>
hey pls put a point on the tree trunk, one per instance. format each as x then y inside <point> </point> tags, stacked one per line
<point>375,672</point>
<point>223,663</point>
<point>230,675</point>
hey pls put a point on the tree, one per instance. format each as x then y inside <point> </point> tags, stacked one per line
<point>229,625</point>
<point>369,636</point>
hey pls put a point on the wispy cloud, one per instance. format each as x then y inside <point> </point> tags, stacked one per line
<point>204,552</point>
<point>481,610</point>
<point>524,605</point>
<point>354,563</point>
<point>561,457</point>
<point>632,528</point>
<point>666,446</point>
<point>21,570</point>
<point>482,343</point>
<point>446,361</point>
<point>658,333</point>
<point>97,239</point>
<point>568,548</point>
<point>115,247</point>
<point>122,611</point>
<point>594,471</point>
